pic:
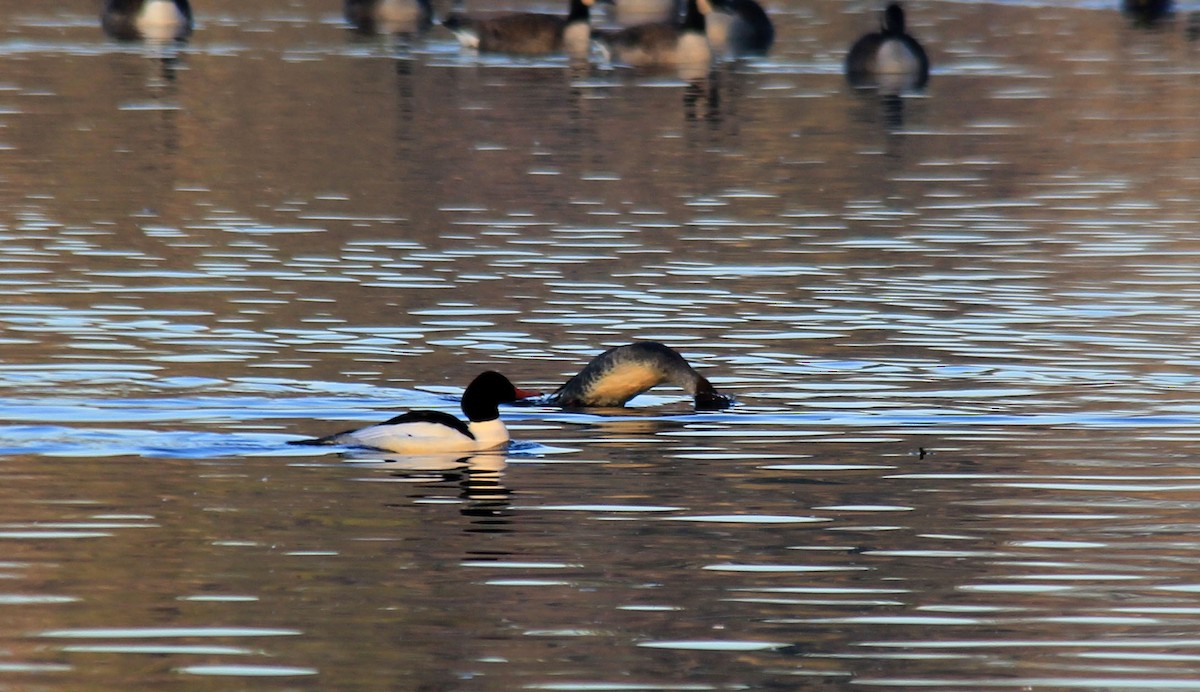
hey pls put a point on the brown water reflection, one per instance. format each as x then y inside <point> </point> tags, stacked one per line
<point>960,324</point>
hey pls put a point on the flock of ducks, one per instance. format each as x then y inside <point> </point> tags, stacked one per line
<point>609,380</point>
<point>654,33</point>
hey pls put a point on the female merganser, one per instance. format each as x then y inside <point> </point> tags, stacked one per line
<point>888,53</point>
<point>619,374</point>
<point>152,20</point>
<point>432,432</point>
<point>388,17</point>
<point>739,27</point>
<point>527,33</point>
<point>664,44</point>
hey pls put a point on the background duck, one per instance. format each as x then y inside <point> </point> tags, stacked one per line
<point>436,432</point>
<point>1146,12</point>
<point>527,33</point>
<point>888,57</point>
<point>663,44</point>
<point>739,27</point>
<point>619,374</point>
<point>150,20</point>
<point>633,12</point>
<point>388,17</point>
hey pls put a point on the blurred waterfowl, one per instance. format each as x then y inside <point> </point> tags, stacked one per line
<point>1146,11</point>
<point>632,12</point>
<point>150,20</point>
<point>527,33</point>
<point>619,374</point>
<point>889,58</point>
<point>388,17</point>
<point>664,44</point>
<point>437,432</point>
<point>739,27</point>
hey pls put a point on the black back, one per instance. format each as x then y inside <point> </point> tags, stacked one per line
<point>436,417</point>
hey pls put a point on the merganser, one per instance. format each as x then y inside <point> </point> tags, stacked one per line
<point>528,33</point>
<point>433,432</point>
<point>389,16</point>
<point>888,53</point>
<point>739,27</point>
<point>152,20</point>
<point>663,44</point>
<point>619,374</point>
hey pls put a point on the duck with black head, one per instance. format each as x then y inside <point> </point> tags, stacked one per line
<point>147,20</point>
<point>889,58</point>
<point>389,17</point>
<point>528,33</point>
<point>437,432</point>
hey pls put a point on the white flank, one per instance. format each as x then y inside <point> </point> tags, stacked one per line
<point>427,438</point>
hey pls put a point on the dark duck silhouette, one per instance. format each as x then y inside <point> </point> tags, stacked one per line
<point>149,20</point>
<point>890,57</point>
<point>619,374</point>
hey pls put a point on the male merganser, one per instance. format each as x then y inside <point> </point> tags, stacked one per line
<point>432,432</point>
<point>889,53</point>
<point>663,44</point>
<point>388,17</point>
<point>619,374</point>
<point>527,33</point>
<point>152,20</point>
<point>739,27</point>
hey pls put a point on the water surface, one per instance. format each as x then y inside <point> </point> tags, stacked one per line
<point>960,325</point>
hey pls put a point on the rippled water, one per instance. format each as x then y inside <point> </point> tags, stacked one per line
<point>961,327</point>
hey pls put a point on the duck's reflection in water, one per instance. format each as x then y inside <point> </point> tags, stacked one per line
<point>479,478</point>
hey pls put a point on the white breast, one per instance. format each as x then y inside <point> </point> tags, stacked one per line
<point>397,16</point>
<point>577,39</point>
<point>694,50</point>
<point>161,20</point>
<point>894,57</point>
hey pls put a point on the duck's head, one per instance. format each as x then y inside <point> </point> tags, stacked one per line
<point>707,397</point>
<point>487,391</point>
<point>893,19</point>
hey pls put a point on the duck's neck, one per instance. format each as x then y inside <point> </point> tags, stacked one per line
<point>488,433</point>
<point>893,21</point>
<point>694,19</point>
<point>579,12</point>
